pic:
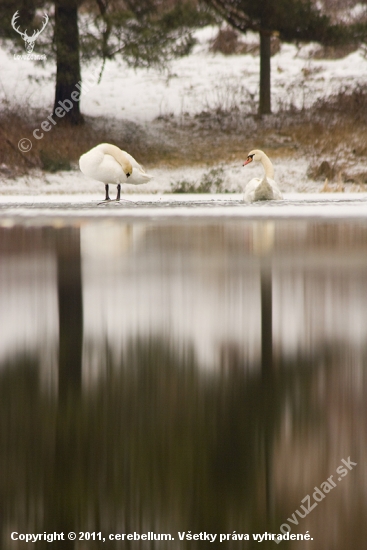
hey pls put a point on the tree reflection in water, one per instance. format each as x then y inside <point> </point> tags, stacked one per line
<point>155,447</point>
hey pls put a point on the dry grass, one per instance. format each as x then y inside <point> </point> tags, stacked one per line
<point>61,147</point>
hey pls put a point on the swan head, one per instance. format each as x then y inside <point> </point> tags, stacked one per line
<point>259,156</point>
<point>255,155</point>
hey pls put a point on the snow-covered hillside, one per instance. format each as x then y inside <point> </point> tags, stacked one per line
<point>203,81</point>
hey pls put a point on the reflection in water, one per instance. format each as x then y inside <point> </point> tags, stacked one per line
<point>70,307</point>
<point>173,378</point>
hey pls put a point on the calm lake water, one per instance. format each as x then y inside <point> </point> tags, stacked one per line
<point>169,377</point>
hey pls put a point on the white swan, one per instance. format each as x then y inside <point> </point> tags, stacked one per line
<point>264,189</point>
<point>111,165</point>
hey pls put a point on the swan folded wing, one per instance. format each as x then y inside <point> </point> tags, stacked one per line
<point>264,191</point>
<point>250,190</point>
<point>139,167</point>
<point>276,191</point>
<point>261,190</point>
<point>139,170</point>
<point>120,156</point>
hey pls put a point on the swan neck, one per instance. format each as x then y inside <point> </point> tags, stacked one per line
<point>268,167</point>
<point>118,155</point>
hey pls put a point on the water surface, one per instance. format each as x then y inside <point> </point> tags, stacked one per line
<point>163,376</point>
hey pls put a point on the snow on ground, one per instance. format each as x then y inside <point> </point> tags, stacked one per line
<point>289,173</point>
<point>192,84</point>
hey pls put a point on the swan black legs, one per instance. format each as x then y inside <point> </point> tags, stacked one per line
<point>118,192</point>
<point>107,195</point>
<point>107,199</point>
<point>118,197</point>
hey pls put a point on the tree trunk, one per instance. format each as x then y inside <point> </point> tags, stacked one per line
<point>66,107</point>
<point>265,92</point>
<point>70,299</point>
<point>266,319</point>
<point>62,499</point>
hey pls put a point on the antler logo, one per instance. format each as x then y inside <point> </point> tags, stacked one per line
<point>29,40</point>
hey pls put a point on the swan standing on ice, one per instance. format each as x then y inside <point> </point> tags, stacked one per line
<point>111,165</point>
<point>264,189</point>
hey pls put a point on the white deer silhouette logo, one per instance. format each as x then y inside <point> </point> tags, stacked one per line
<point>29,40</point>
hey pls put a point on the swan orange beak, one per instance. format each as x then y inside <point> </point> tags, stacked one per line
<point>247,161</point>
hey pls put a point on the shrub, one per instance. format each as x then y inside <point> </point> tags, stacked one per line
<point>211,182</point>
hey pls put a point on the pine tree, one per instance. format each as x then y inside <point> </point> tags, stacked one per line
<point>144,32</point>
<point>297,20</point>
<point>67,58</point>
